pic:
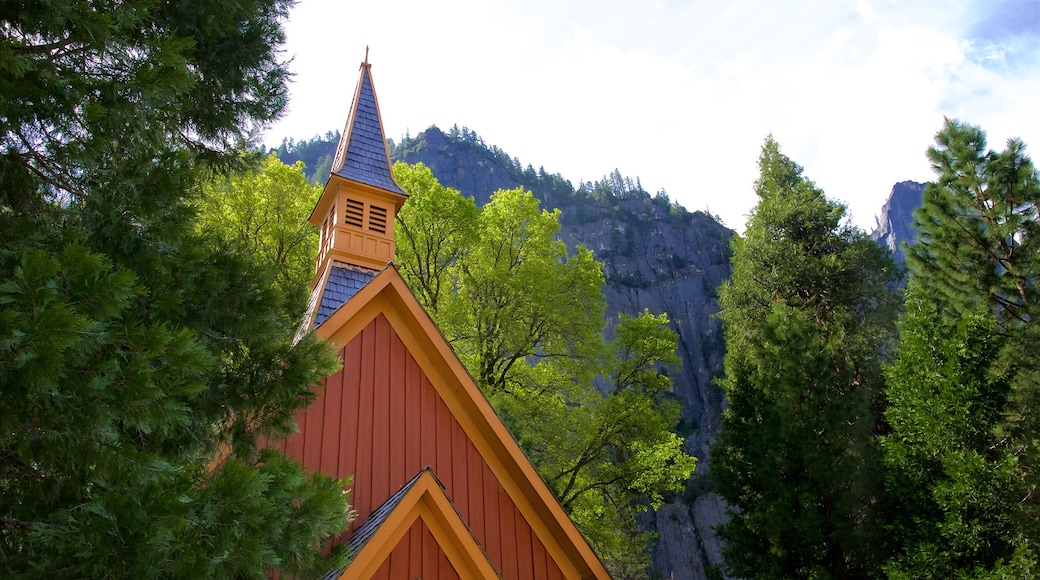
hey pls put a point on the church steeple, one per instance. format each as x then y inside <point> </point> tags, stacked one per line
<point>356,210</point>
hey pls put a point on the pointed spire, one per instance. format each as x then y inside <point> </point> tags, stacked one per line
<point>357,208</point>
<point>361,154</point>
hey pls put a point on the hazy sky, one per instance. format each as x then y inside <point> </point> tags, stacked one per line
<point>681,94</point>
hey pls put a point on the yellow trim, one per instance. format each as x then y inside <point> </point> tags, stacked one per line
<point>389,295</point>
<point>427,501</point>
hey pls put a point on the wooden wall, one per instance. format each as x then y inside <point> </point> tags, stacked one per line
<point>381,421</point>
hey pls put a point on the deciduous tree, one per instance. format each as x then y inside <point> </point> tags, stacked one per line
<point>265,210</point>
<point>526,318</point>
<point>434,228</point>
<point>520,301</point>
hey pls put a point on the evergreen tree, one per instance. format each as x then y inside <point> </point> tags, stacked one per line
<point>979,231</point>
<point>963,450</point>
<point>953,479</point>
<point>141,358</point>
<point>807,312</point>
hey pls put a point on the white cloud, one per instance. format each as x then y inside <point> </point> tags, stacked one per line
<point>852,91</point>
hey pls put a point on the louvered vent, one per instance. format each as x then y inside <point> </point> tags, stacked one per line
<point>377,219</point>
<point>355,213</point>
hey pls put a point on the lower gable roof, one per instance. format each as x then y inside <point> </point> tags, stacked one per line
<point>422,498</point>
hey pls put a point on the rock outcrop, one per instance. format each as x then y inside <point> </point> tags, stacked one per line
<point>895,225</point>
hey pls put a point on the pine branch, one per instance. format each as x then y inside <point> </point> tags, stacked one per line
<point>24,525</point>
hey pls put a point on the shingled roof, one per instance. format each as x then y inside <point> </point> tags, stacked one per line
<point>361,154</point>
<point>344,281</point>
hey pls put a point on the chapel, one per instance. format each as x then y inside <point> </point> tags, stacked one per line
<point>440,487</point>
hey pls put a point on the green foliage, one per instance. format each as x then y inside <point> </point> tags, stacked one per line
<point>963,449</point>
<point>265,211</point>
<point>499,319</point>
<point>978,230</point>
<point>315,153</point>
<point>806,313</point>
<point>609,455</point>
<point>526,318</point>
<point>136,350</point>
<point>954,478</point>
<point>434,228</point>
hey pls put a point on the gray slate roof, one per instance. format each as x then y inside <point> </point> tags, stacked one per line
<point>366,160</point>
<point>344,282</point>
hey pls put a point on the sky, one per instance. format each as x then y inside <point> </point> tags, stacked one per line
<point>681,94</point>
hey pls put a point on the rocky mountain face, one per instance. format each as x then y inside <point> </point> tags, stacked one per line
<point>895,225</point>
<point>656,256</point>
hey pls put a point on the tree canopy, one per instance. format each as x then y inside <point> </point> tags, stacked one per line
<point>141,357</point>
<point>526,317</point>
<point>265,211</point>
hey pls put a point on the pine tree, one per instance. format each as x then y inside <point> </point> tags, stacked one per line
<point>141,359</point>
<point>807,312</point>
<point>963,450</point>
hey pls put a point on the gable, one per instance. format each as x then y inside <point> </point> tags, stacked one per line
<point>403,401</point>
<point>418,533</point>
<point>380,420</point>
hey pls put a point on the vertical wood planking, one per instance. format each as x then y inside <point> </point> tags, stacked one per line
<point>415,555</point>
<point>294,447</point>
<point>351,356</point>
<point>399,555</point>
<point>428,424</point>
<point>492,539</point>
<point>539,558</point>
<point>510,567</point>
<point>332,422</point>
<point>459,492</point>
<point>442,467</point>
<point>363,467</point>
<point>412,416</point>
<point>381,414</point>
<point>312,434</point>
<point>383,573</point>
<point>554,570</point>
<point>524,559</point>
<point>475,467</point>
<point>445,571</point>
<point>431,555</point>
<point>397,451</point>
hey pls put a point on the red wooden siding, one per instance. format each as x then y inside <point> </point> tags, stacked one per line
<point>417,555</point>
<point>391,423</point>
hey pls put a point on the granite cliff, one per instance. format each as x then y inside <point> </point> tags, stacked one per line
<point>895,225</point>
